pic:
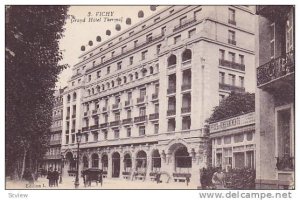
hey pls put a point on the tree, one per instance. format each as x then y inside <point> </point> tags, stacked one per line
<point>32,66</point>
<point>234,104</point>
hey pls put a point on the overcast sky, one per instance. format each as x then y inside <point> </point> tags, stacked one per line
<point>80,33</point>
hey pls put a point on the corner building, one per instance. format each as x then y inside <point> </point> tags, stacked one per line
<point>141,98</point>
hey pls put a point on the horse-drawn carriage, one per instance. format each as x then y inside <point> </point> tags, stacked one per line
<point>92,174</point>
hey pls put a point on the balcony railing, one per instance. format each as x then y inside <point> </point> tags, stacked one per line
<point>171,112</point>
<point>140,119</point>
<point>231,21</point>
<point>230,41</point>
<point>55,142</point>
<point>104,125</point>
<point>232,65</point>
<point>154,96</point>
<point>153,116</point>
<point>186,86</point>
<point>116,106</point>
<point>85,129</point>
<point>140,100</point>
<point>285,163</point>
<point>94,127</point>
<point>186,109</point>
<point>127,121</point>
<point>276,69</point>
<point>171,90</point>
<point>224,86</point>
<point>115,123</point>
<point>184,24</point>
<point>73,116</point>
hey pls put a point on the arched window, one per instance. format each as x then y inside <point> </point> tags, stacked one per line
<point>141,161</point>
<point>85,162</point>
<point>93,91</point>
<point>151,69</point>
<point>125,79</point>
<point>119,81</point>
<point>103,87</point>
<point>156,161</point>
<point>95,160</point>
<point>144,72</point>
<point>136,75</point>
<point>89,92</point>
<point>69,98</point>
<point>182,159</point>
<point>172,60</point>
<point>104,161</point>
<point>98,88</point>
<point>157,67</point>
<point>186,55</point>
<point>130,77</point>
<point>107,85</point>
<point>112,84</point>
<point>74,96</point>
<point>127,162</point>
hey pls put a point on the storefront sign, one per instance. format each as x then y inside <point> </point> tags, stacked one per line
<point>234,122</point>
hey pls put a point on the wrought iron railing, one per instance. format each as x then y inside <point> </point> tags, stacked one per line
<point>127,121</point>
<point>94,127</point>
<point>231,64</point>
<point>153,116</point>
<point>85,129</point>
<point>115,123</point>
<point>104,125</point>
<point>275,69</point>
<point>140,118</point>
<point>234,88</point>
<point>184,24</point>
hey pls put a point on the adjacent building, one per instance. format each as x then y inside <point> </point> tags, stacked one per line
<point>52,157</point>
<point>275,97</point>
<point>142,97</point>
<point>233,144</point>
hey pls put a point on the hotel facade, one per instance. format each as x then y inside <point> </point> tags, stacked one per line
<point>275,98</point>
<point>142,97</point>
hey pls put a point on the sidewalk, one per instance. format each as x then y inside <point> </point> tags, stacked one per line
<point>111,183</point>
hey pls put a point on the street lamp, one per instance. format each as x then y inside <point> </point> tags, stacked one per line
<point>61,168</point>
<point>78,138</point>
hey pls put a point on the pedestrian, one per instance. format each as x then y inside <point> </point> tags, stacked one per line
<point>218,179</point>
<point>204,178</point>
<point>55,177</point>
<point>50,177</point>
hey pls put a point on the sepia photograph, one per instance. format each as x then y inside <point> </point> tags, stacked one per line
<point>149,97</point>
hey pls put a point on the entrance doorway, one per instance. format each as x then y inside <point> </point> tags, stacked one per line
<point>116,165</point>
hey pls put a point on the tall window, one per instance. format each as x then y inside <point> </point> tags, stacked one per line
<point>231,37</point>
<point>119,65</point>
<point>241,59</point>
<point>177,39</point>
<point>135,43</point>
<point>142,130</point>
<point>130,60</point>
<point>108,70</point>
<point>231,16</point>
<point>128,114</point>
<point>102,59</point>
<point>192,32</point>
<point>128,132</point>
<point>242,81</point>
<point>117,133</point>
<point>123,49</point>
<point>231,56</point>
<point>232,79</point>
<point>156,128</point>
<point>142,92</point>
<point>149,37</point>
<point>163,30</point>
<point>156,108</point>
<point>221,77</point>
<point>142,111</point>
<point>144,55</point>
<point>197,14</point>
<point>221,54</point>
<point>182,20</point>
<point>158,49</point>
<point>272,40</point>
<point>89,78</point>
<point>117,116</point>
<point>98,74</point>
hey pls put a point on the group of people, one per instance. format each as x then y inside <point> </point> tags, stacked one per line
<point>53,177</point>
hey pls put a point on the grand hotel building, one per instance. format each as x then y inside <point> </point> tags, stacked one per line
<point>142,97</point>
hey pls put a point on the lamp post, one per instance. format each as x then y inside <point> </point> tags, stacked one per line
<point>62,168</point>
<point>78,138</point>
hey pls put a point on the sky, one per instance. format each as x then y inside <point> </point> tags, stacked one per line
<point>79,30</point>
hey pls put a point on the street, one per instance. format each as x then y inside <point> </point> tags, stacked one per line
<point>111,183</point>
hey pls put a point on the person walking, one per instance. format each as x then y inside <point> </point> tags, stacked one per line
<point>218,179</point>
<point>50,176</point>
<point>203,178</point>
<point>55,177</point>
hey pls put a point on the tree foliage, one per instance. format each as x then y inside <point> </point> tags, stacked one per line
<point>234,104</point>
<point>31,68</point>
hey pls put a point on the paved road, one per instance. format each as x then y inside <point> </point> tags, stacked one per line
<point>68,183</point>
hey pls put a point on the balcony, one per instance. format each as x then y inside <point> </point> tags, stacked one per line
<point>116,106</point>
<point>154,96</point>
<point>154,116</point>
<point>184,24</point>
<point>85,129</point>
<point>140,119</point>
<point>140,100</point>
<point>171,112</point>
<point>94,127</point>
<point>127,121</point>
<point>115,123</point>
<point>104,125</point>
<point>128,103</point>
<point>55,142</point>
<point>285,163</point>
<point>186,86</point>
<point>171,90</point>
<point>233,42</point>
<point>104,109</point>
<point>73,130</point>
<point>231,21</point>
<point>73,116</point>
<point>94,112</point>
<point>186,110</point>
<point>277,70</point>
<point>223,86</point>
<point>232,65</point>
